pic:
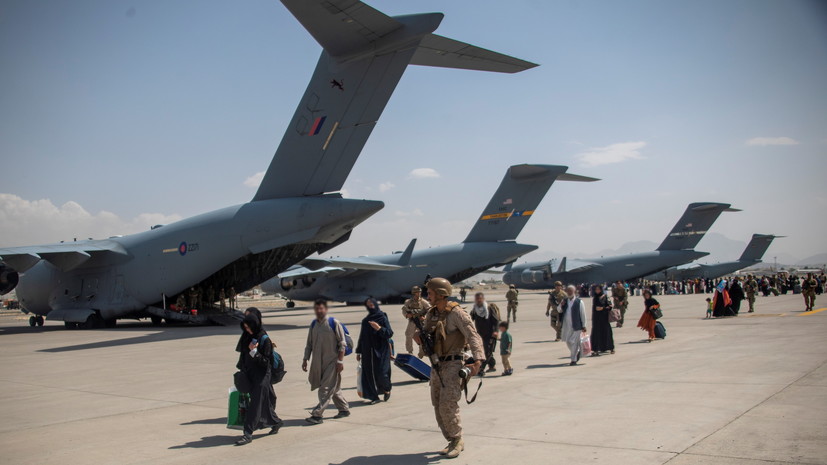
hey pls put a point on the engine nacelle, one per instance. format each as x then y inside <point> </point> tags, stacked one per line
<point>8,279</point>
<point>532,277</point>
<point>287,284</point>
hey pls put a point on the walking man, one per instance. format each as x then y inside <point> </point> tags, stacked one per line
<point>750,288</point>
<point>621,301</point>
<point>511,297</point>
<point>452,329</point>
<point>232,298</point>
<point>555,299</point>
<point>486,319</point>
<point>574,323</point>
<point>415,307</point>
<point>325,350</point>
<point>808,288</point>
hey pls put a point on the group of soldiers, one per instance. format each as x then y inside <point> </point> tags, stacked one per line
<point>193,299</point>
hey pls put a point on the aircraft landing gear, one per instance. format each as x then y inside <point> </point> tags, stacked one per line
<point>290,304</point>
<point>94,321</point>
<point>32,321</point>
<point>110,323</point>
<point>70,325</point>
<point>156,320</point>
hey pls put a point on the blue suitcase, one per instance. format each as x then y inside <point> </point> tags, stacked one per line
<point>660,330</point>
<point>413,366</point>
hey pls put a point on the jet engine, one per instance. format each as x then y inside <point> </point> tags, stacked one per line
<point>8,279</point>
<point>531,277</point>
<point>287,284</point>
<point>308,281</point>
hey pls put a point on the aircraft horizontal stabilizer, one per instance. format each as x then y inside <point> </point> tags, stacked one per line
<point>436,50</point>
<point>575,178</point>
<point>348,263</point>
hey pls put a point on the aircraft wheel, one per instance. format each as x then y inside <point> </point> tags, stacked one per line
<point>110,323</point>
<point>40,320</point>
<point>93,322</point>
<point>70,325</point>
<point>156,320</point>
<point>291,304</point>
<point>32,321</point>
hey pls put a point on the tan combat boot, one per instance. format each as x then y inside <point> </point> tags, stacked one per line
<point>456,446</point>
<point>447,448</point>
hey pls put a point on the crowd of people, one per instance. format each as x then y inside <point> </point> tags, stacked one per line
<point>465,341</point>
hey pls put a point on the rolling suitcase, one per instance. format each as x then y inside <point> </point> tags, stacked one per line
<point>413,366</point>
<point>660,330</point>
<point>237,409</point>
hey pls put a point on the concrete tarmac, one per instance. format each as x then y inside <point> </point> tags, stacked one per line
<point>738,391</point>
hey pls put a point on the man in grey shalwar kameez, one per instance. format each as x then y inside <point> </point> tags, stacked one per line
<point>574,323</point>
<point>325,350</point>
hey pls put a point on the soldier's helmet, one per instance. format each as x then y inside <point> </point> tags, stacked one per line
<point>557,283</point>
<point>440,286</point>
<point>416,289</point>
<point>511,286</point>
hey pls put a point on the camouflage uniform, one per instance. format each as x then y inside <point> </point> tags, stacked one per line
<point>454,330</point>
<point>511,297</point>
<point>410,310</point>
<point>621,301</point>
<point>555,299</point>
<point>750,288</point>
<point>232,298</point>
<point>808,288</point>
<point>222,305</point>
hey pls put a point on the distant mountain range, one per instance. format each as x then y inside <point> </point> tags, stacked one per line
<point>720,248</point>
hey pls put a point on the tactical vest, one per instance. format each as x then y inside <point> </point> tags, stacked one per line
<point>447,343</point>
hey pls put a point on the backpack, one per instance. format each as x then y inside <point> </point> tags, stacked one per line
<point>277,371</point>
<point>348,340</point>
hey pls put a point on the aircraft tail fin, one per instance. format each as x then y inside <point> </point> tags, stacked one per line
<point>757,247</point>
<point>519,194</point>
<point>365,54</point>
<point>695,222</point>
<point>405,258</point>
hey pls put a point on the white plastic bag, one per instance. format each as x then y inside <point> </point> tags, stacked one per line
<point>359,391</point>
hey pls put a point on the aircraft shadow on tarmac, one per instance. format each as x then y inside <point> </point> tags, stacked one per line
<point>402,459</point>
<point>163,334</point>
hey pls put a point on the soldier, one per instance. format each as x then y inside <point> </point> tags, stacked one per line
<point>222,305</point>
<point>210,296</point>
<point>621,301</point>
<point>511,297</point>
<point>808,288</point>
<point>193,298</point>
<point>180,303</point>
<point>415,307</point>
<point>750,288</point>
<point>555,299</point>
<point>452,330</point>
<point>462,294</point>
<point>232,298</point>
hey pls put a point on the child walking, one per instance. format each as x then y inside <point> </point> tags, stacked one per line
<point>709,307</point>
<point>505,348</point>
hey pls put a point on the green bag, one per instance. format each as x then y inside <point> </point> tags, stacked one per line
<point>237,409</point>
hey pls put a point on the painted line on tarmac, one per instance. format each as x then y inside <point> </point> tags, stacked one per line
<point>812,312</point>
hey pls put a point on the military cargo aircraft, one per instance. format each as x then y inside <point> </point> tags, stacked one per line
<point>490,243</point>
<point>678,248</point>
<point>752,255</point>
<point>295,212</point>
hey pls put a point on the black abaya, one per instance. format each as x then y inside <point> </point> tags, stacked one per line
<point>736,293</point>
<point>602,338</point>
<point>261,413</point>
<point>374,348</point>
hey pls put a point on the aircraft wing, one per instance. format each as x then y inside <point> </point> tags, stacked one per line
<point>360,263</point>
<point>65,256</point>
<point>302,272</point>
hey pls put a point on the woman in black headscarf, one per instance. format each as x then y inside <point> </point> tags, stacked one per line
<point>374,351</point>
<point>602,338</point>
<point>256,362</point>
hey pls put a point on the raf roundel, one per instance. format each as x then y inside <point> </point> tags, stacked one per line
<point>182,249</point>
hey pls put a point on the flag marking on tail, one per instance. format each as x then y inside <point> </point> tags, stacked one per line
<point>317,125</point>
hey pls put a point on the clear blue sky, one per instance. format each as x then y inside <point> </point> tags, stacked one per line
<point>115,115</point>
